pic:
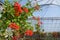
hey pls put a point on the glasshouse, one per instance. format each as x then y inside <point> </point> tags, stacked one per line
<point>29,19</point>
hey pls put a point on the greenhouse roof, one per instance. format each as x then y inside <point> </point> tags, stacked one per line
<point>50,8</point>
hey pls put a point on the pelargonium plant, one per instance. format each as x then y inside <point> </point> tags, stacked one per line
<point>13,22</point>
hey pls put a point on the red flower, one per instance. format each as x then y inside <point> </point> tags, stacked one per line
<point>14,38</point>
<point>39,23</point>
<point>37,7</point>
<point>34,17</point>
<point>14,26</point>
<point>29,33</point>
<point>25,9</point>
<point>38,18</point>
<point>17,8</point>
<point>17,14</point>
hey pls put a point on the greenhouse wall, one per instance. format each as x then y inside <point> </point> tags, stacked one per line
<point>50,24</point>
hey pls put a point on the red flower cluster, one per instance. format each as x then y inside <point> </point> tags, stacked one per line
<point>39,23</point>
<point>14,38</point>
<point>34,17</point>
<point>37,7</point>
<point>14,26</point>
<point>38,18</point>
<point>25,9</point>
<point>29,33</point>
<point>17,8</point>
<point>17,14</point>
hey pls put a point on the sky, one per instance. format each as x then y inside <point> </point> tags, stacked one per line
<point>48,11</point>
